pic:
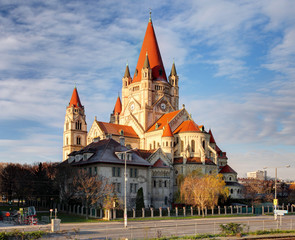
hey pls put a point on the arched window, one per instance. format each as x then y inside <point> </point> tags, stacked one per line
<point>193,145</point>
<point>229,178</point>
<point>181,146</point>
<point>78,141</point>
<point>78,125</point>
<point>67,141</point>
<point>203,144</point>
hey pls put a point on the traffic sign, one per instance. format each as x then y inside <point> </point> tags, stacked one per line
<point>280,212</point>
<point>275,202</point>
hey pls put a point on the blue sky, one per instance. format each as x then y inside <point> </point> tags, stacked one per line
<point>235,61</point>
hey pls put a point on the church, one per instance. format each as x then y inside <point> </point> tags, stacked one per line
<point>147,126</point>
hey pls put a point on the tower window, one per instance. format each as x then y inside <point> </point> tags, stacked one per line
<point>78,141</point>
<point>78,125</point>
<point>67,141</point>
<point>193,145</point>
<point>160,72</point>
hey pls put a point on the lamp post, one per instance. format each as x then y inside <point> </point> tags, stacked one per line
<point>125,185</point>
<point>275,199</point>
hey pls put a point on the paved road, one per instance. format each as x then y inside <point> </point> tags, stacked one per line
<point>150,229</point>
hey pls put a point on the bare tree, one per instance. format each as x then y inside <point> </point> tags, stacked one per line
<point>257,190</point>
<point>91,189</point>
<point>203,191</point>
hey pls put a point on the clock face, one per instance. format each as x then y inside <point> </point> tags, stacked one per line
<point>163,106</point>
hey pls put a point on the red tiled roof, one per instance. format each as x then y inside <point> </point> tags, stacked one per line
<point>227,169</point>
<point>160,163</point>
<point>150,47</point>
<point>162,121</point>
<point>144,153</point>
<point>194,160</point>
<point>75,100</point>
<point>118,106</point>
<point>115,129</point>
<point>212,140</point>
<point>167,131</point>
<point>187,126</point>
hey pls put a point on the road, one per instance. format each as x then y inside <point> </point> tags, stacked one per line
<point>158,228</point>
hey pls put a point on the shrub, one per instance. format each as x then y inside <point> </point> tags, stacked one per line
<point>231,228</point>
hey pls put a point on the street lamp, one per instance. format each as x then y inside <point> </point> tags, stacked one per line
<point>276,176</point>
<point>125,185</point>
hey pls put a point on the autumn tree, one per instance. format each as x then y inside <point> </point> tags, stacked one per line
<point>203,191</point>
<point>91,189</point>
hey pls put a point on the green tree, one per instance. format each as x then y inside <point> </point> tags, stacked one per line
<point>139,199</point>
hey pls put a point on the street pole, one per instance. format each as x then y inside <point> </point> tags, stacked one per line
<point>125,197</point>
<point>275,215</point>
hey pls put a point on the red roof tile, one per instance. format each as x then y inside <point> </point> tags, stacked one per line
<point>118,106</point>
<point>162,121</point>
<point>187,126</point>
<point>115,129</point>
<point>227,169</point>
<point>167,131</point>
<point>145,154</point>
<point>75,100</point>
<point>150,46</point>
<point>159,163</point>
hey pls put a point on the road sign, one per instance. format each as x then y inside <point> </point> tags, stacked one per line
<point>275,202</point>
<point>280,212</point>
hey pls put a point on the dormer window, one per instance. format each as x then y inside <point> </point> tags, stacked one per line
<point>85,157</point>
<point>160,72</point>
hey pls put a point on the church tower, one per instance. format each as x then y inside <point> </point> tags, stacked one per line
<point>75,126</point>
<point>173,80</point>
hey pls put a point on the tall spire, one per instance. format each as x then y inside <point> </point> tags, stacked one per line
<point>75,100</point>
<point>127,72</point>
<point>146,61</point>
<point>118,106</point>
<point>173,70</point>
<point>150,45</point>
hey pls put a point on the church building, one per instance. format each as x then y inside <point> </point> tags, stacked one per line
<point>148,121</point>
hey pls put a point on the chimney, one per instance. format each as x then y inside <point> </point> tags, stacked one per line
<point>122,140</point>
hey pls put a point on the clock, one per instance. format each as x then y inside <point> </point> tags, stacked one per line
<point>163,106</point>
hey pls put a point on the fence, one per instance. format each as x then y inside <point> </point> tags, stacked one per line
<point>171,212</point>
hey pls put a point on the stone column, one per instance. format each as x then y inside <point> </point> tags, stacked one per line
<point>212,211</point>
<point>231,210</point>
<point>291,208</point>
<point>142,212</point>
<point>192,211</point>
<point>199,211</point>
<point>252,209</point>
<point>225,210</point>
<point>168,211</point>
<point>160,211</point>
<point>184,211</point>
<point>206,213</point>
<point>246,209</point>
<point>152,212</point>
<point>176,212</point>
<point>262,210</point>
<point>78,209</point>
<point>133,210</point>
<point>218,210</point>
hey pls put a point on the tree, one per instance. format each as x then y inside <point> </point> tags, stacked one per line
<point>91,189</point>
<point>139,199</point>
<point>257,190</point>
<point>202,191</point>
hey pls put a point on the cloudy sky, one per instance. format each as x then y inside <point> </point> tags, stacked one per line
<point>235,61</point>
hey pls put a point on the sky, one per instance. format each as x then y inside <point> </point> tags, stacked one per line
<point>235,61</point>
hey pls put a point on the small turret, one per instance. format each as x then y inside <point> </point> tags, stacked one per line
<point>173,80</point>
<point>115,116</point>
<point>167,140</point>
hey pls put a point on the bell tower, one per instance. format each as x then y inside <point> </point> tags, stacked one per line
<point>173,80</point>
<point>75,126</point>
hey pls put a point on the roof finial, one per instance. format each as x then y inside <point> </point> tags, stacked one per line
<point>75,84</point>
<point>150,19</point>
<point>127,63</point>
<point>118,94</point>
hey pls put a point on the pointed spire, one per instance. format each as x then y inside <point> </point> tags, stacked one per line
<point>75,100</point>
<point>127,72</point>
<point>173,70</point>
<point>146,61</point>
<point>150,45</point>
<point>212,140</point>
<point>118,106</point>
<point>167,131</point>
